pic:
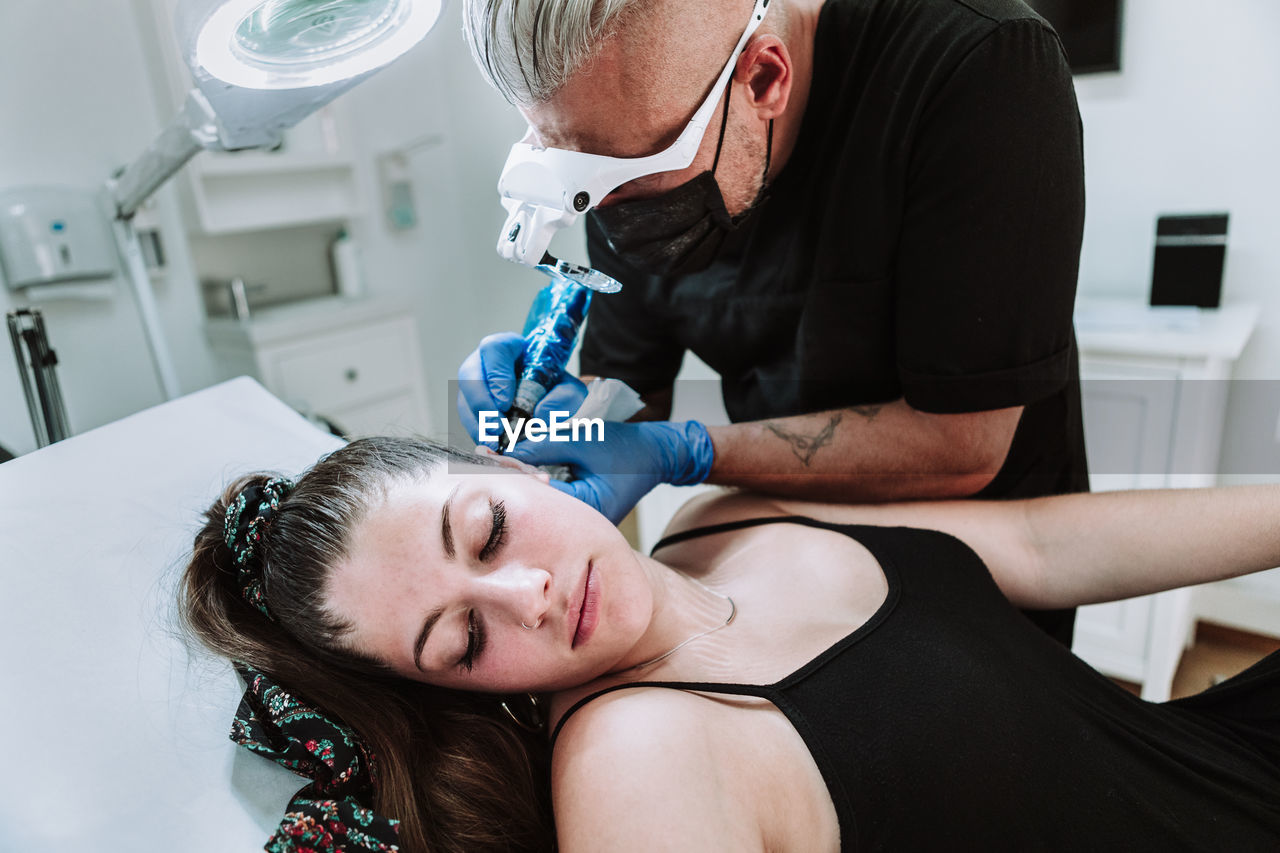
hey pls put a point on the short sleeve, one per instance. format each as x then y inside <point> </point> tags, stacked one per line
<point>628,335</point>
<point>990,245</point>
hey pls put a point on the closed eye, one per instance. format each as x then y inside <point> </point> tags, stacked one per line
<point>497,530</point>
<point>475,641</point>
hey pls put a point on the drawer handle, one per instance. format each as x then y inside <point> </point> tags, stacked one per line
<point>352,374</point>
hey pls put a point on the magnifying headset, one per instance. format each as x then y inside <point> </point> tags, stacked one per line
<point>546,189</point>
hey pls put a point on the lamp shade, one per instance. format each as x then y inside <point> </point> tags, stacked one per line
<point>263,65</point>
<point>290,44</point>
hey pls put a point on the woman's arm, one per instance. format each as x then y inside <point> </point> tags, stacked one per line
<point>1067,550</point>
<point>1111,545</point>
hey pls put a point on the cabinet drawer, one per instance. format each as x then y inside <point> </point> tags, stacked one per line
<point>345,369</point>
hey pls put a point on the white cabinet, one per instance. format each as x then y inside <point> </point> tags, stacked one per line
<point>1154,386</point>
<point>355,362</point>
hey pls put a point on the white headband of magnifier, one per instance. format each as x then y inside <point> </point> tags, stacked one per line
<point>546,189</point>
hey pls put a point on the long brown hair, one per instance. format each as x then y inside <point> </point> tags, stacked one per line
<point>452,768</point>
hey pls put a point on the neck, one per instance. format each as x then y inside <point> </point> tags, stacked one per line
<point>682,608</point>
<point>801,29</point>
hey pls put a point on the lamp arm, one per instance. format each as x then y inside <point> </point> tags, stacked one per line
<point>194,129</point>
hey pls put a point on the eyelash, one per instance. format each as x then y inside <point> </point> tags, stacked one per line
<point>475,641</point>
<point>475,631</point>
<point>497,533</point>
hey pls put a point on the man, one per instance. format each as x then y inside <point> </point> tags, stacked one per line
<point>876,245</point>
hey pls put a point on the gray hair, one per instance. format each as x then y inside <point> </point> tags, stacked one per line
<point>528,49</point>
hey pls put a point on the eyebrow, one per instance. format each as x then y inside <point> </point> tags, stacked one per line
<point>446,528</point>
<point>446,533</point>
<point>432,618</point>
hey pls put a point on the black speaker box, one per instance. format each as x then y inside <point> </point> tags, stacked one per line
<point>1190,251</point>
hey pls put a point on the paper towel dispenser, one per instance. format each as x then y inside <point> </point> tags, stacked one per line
<point>53,234</point>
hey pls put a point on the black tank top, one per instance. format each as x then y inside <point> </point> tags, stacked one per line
<point>949,722</point>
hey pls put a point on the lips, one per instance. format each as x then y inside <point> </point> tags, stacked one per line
<point>588,608</point>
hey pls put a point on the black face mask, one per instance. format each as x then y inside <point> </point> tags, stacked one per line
<point>682,230</point>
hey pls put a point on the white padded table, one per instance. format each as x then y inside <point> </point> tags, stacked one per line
<point>114,727</point>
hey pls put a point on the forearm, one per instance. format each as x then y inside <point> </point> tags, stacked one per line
<point>865,453</point>
<point>1113,545</point>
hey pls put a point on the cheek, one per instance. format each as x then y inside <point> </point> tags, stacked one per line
<point>655,185</point>
<point>515,655</point>
<point>627,598</point>
<point>553,514</point>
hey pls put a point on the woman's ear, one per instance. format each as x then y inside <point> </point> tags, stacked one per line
<point>766,71</point>
<point>514,464</point>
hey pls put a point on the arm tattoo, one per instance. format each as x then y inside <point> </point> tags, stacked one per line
<point>805,446</point>
<point>868,412</point>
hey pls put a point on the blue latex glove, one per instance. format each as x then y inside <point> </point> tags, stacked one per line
<point>614,474</point>
<point>487,382</point>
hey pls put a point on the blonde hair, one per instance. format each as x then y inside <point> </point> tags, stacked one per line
<point>528,49</point>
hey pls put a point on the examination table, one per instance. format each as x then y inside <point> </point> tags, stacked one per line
<point>114,725</point>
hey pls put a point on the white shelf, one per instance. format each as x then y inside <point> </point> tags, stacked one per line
<point>214,164</point>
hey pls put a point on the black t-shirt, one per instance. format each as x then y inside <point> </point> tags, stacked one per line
<point>922,242</point>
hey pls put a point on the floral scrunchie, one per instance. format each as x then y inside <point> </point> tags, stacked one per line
<point>328,814</point>
<point>248,517</point>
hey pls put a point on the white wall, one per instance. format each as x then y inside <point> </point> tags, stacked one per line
<point>74,105</point>
<point>447,262</point>
<point>79,98</point>
<point>1192,124</point>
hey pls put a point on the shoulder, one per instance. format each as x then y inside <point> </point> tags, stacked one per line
<point>997,530</point>
<point>725,505</point>
<point>923,51</point>
<point>956,20</point>
<point>928,40</point>
<point>722,505</point>
<point>631,756</point>
<point>996,11</point>
<point>623,723</point>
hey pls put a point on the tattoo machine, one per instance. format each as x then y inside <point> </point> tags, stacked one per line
<point>550,332</point>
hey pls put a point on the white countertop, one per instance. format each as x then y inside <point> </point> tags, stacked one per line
<point>299,319</point>
<point>1127,326</point>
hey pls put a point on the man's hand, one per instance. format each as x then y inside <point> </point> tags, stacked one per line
<point>612,475</point>
<point>487,381</point>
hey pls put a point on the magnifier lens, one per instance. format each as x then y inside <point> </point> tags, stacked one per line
<point>585,276</point>
<point>306,32</point>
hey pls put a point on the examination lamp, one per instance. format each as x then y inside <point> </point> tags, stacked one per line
<point>259,67</point>
<point>546,189</point>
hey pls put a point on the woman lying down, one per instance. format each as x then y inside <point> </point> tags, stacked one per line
<point>778,676</point>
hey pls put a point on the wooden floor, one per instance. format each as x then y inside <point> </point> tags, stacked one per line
<point>1217,654</point>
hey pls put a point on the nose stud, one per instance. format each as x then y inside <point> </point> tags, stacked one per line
<point>531,627</point>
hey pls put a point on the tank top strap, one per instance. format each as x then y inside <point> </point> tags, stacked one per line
<point>702,687</point>
<point>708,530</point>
